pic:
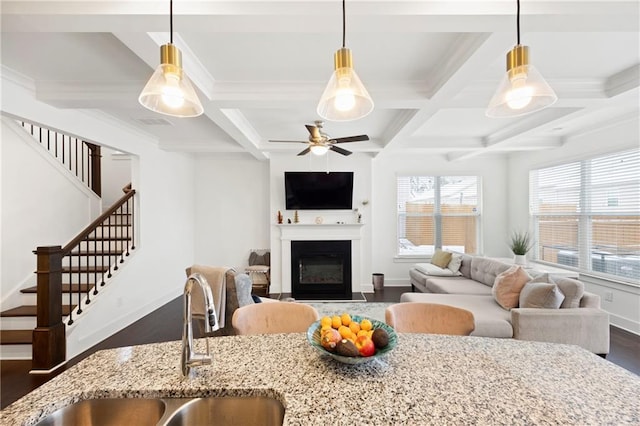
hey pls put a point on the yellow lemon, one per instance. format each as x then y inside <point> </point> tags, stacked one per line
<point>363,333</point>
<point>345,332</point>
<point>355,327</point>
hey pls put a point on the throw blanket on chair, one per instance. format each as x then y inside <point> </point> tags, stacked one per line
<point>216,277</point>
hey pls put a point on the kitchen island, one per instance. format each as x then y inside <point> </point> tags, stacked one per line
<point>426,379</point>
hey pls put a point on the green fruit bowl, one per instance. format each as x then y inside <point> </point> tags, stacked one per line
<point>313,336</point>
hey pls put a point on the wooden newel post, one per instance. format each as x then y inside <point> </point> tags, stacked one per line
<point>96,172</point>
<point>49,338</point>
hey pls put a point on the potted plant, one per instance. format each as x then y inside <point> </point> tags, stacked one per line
<point>520,245</point>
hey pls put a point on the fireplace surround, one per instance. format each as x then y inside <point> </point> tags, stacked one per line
<point>321,269</point>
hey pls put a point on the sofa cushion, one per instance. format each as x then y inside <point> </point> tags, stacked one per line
<point>455,263</point>
<point>486,270</point>
<point>431,269</point>
<point>459,285</point>
<point>507,286</point>
<point>441,258</point>
<point>572,290</point>
<point>465,266</point>
<point>490,319</point>
<point>540,295</point>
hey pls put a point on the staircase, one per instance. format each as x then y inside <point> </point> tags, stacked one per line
<point>85,270</point>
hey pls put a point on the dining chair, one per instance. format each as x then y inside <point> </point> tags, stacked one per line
<point>432,318</point>
<point>271,318</point>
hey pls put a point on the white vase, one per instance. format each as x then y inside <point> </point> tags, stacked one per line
<point>520,259</point>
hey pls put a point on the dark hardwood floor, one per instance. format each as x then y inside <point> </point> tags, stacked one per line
<point>165,324</point>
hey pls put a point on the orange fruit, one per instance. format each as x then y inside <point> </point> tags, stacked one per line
<point>345,332</point>
<point>355,327</point>
<point>346,319</point>
<point>366,325</point>
<point>325,321</point>
<point>336,322</point>
<point>363,333</point>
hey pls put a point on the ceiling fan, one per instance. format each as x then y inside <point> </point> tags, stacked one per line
<point>319,142</point>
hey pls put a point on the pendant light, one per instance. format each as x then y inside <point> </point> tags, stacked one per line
<point>522,89</point>
<point>169,90</point>
<point>345,97</point>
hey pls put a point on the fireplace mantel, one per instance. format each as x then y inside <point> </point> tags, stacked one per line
<point>319,232</point>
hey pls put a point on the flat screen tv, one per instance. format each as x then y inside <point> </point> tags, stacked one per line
<point>318,190</point>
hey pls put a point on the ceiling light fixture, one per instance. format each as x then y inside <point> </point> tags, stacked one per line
<point>522,90</point>
<point>169,90</point>
<point>319,149</point>
<point>345,97</point>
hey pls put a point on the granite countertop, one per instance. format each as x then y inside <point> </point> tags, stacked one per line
<point>426,379</point>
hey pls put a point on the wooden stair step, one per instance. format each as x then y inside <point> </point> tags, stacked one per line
<point>16,337</point>
<point>66,288</point>
<point>30,311</point>
<point>96,253</point>
<point>85,269</point>
<point>114,238</point>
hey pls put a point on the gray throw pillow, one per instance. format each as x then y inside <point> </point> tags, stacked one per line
<point>541,295</point>
<point>572,290</point>
<point>243,290</point>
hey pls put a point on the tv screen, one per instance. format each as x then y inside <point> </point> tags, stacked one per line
<point>318,190</point>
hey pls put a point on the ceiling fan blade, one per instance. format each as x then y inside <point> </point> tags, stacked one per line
<point>288,141</point>
<point>358,138</point>
<point>313,130</point>
<point>340,150</point>
<point>306,151</point>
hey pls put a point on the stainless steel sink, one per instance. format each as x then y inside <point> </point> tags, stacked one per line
<point>108,412</point>
<point>241,411</point>
<point>255,410</point>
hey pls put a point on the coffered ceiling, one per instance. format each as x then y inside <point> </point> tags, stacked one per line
<point>260,67</point>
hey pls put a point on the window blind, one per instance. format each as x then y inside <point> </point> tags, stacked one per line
<point>437,212</point>
<point>586,214</point>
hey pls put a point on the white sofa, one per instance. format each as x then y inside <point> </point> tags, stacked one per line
<point>585,325</point>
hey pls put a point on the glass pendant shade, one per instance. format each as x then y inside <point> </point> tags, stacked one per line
<point>319,149</point>
<point>522,90</point>
<point>169,90</point>
<point>345,97</point>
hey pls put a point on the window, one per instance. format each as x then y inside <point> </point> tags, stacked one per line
<point>438,212</point>
<point>586,214</point>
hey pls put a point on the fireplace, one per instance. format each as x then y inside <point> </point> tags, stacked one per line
<point>321,269</point>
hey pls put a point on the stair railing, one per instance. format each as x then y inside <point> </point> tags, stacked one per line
<point>103,245</point>
<point>80,157</point>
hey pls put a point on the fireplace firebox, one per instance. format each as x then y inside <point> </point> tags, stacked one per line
<point>321,269</point>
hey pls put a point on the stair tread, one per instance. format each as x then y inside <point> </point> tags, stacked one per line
<point>66,288</point>
<point>29,311</point>
<point>89,269</point>
<point>16,337</point>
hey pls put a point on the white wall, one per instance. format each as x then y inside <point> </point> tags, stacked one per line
<point>116,173</point>
<point>154,273</point>
<point>494,232</point>
<point>32,182</point>
<point>625,306</point>
<point>231,208</point>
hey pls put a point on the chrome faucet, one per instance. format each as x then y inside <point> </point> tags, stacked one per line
<point>189,358</point>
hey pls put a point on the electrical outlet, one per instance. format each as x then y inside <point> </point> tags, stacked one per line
<point>608,296</point>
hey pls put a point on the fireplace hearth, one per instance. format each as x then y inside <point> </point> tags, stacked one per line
<point>321,269</point>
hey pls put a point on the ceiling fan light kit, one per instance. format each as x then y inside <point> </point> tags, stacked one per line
<point>319,143</point>
<point>169,91</point>
<point>345,98</point>
<point>522,89</point>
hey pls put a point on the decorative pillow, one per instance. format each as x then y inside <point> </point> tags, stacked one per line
<point>430,269</point>
<point>441,258</point>
<point>259,259</point>
<point>572,290</point>
<point>455,263</point>
<point>541,295</point>
<point>243,290</point>
<point>507,286</point>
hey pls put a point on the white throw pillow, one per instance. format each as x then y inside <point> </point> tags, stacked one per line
<point>431,269</point>
<point>455,263</point>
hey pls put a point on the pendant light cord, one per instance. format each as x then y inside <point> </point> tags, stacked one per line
<point>518,21</point>
<point>344,23</point>
<point>171,21</point>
